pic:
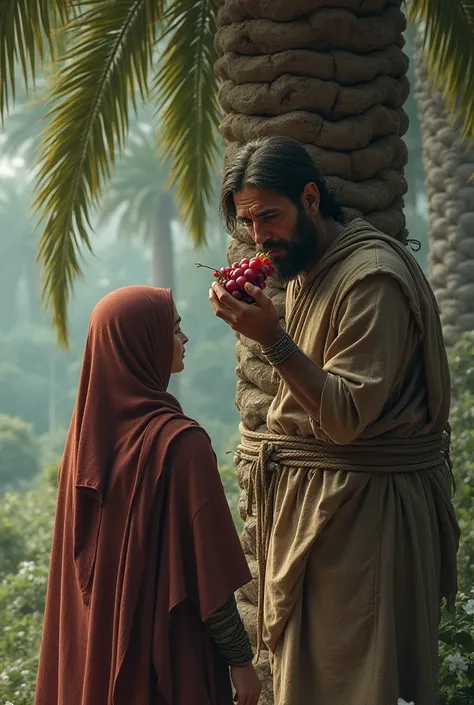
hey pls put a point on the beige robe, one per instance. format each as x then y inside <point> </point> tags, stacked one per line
<point>357,561</point>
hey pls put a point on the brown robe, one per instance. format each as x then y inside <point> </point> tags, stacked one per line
<point>144,547</point>
<point>359,556</point>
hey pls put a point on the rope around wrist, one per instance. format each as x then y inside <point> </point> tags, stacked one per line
<point>281,351</point>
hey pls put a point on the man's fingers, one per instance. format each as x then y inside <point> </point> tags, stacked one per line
<point>224,296</point>
<point>256,293</point>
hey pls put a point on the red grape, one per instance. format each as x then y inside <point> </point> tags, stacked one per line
<point>241,281</point>
<point>250,275</point>
<point>255,263</point>
<point>237,295</point>
<point>238,272</point>
<point>231,285</point>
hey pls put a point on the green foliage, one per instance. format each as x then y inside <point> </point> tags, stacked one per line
<point>449,45</point>
<point>12,546</point>
<point>232,491</point>
<point>186,89</point>
<point>462,424</point>
<point>139,181</point>
<point>26,522</point>
<point>457,653</point>
<point>19,453</point>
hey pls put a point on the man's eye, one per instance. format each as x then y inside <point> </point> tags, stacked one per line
<point>270,218</point>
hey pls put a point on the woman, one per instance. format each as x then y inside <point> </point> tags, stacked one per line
<point>145,558</point>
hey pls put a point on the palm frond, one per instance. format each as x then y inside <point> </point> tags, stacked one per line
<point>136,188</point>
<point>28,31</point>
<point>107,65</point>
<point>449,48</point>
<point>186,90</point>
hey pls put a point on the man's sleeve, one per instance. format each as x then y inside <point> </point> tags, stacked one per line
<point>365,361</point>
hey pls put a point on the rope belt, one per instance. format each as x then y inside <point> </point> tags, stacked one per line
<point>270,453</point>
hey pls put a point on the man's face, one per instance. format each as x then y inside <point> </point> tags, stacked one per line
<point>277,226</point>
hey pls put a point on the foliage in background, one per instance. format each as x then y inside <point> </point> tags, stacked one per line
<point>24,551</point>
<point>462,424</point>
<point>19,454</point>
<point>456,640</point>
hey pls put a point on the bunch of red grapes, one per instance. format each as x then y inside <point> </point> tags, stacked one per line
<point>255,270</point>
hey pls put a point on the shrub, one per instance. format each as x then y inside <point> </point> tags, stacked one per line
<point>19,454</point>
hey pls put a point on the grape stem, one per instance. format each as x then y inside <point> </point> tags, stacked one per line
<point>198,264</point>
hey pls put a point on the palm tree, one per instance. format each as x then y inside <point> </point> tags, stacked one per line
<point>331,74</point>
<point>139,194</point>
<point>449,165</point>
<point>17,253</point>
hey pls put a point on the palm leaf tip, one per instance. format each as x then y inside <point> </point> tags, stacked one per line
<point>448,28</point>
<point>28,31</point>
<point>186,90</point>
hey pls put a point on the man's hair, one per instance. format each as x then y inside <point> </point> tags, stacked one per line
<point>276,164</point>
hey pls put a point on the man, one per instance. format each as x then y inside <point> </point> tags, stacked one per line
<point>356,534</point>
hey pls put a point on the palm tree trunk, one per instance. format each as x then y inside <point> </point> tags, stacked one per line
<point>333,76</point>
<point>10,274</point>
<point>449,164</point>
<point>162,259</point>
<point>36,313</point>
<point>162,252</point>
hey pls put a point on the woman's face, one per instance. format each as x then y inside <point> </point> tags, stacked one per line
<point>179,341</point>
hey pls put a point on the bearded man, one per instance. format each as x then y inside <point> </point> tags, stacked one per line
<point>356,533</point>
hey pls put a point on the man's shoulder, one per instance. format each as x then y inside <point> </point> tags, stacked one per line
<point>377,254</point>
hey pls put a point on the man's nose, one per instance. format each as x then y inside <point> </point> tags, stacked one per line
<point>261,233</point>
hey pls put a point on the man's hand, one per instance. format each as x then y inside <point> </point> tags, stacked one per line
<point>258,322</point>
<point>246,683</point>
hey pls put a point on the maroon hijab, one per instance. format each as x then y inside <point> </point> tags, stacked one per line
<point>122,396</point>
<point>144,548</point>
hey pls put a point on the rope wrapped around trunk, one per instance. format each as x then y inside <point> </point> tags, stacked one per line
<point>269,454</point>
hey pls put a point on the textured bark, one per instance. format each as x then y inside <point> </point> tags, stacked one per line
<point>331,74</point>
<point>449,165</point>
<point>162,254</point>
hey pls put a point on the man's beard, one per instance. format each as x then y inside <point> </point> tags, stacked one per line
<point>300,250</point>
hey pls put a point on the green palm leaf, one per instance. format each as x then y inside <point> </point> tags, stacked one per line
<point>186,89</point>
<point>137,186</point>
<point>27,31</point>
<point>449,46</point>
<point>108,63</point>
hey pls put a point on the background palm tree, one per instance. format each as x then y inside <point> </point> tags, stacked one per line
<point>140,196</point>
<point>18,270</point>
<point>449,166</point>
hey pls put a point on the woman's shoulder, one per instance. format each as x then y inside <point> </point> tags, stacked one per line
<point>193,469</point>
<point>190,437</point>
